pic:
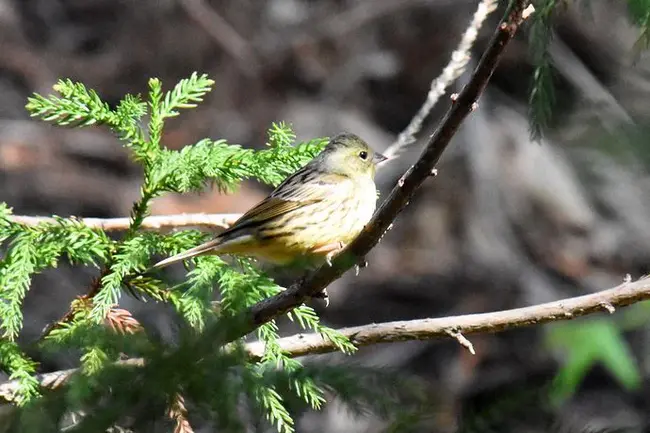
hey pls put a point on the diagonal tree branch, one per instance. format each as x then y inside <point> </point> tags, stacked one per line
<point>399,197</point>
<point>422,329</point>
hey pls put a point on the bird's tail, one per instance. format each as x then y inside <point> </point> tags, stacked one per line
<point>192,252</point>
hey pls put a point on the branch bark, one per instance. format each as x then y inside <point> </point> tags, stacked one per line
<point>605,301</point>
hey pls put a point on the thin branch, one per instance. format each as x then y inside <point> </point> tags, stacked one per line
<point>462,340</point>
<point>54,379</point>
<point>337,25</point>
<point>571,67</point>
<point>399,197</point>
<point>422,329</point>
<point>158,222</point>
<point>357,16</point>
<point>454,69</point>
<point>451,327</point>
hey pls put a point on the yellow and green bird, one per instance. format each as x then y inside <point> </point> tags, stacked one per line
<point>314,213</point>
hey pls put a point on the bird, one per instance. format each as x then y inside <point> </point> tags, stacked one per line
<point>314,213</point>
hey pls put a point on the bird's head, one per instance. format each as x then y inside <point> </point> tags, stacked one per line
<point>348,155</point>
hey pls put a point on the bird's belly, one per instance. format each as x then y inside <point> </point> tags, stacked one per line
<point>277,253</point>
<point>317,227</point>
<point>339,224</point>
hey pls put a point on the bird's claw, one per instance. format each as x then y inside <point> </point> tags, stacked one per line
<point>362,264</point>
<point>332,253</point>
<point>324,296</point>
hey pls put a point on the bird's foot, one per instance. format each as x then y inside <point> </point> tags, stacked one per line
<point>362,264</point>
<point>324,296</point>
<point>331,250</point>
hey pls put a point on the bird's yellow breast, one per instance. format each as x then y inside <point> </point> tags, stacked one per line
<point>339,219</point>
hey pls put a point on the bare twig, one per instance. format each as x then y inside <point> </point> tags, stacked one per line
<point>335,26</point>
<point>453,70</point>
<point>462,340</point>
<point>571,67</point>
<point>421,329</point>
<point>454,326</point>
<point>161,222</point>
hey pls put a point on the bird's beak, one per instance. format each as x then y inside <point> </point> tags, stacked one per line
<point>378,158</point>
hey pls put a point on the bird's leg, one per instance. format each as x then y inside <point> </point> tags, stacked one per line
<point>330,250</point>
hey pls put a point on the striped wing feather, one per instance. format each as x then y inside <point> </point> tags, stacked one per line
<point>304,188</point>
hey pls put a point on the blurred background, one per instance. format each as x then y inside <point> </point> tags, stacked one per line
<point>507,222</point>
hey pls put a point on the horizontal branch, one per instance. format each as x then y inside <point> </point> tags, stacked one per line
<point>422,329</point>
<point>157,222</point>
<point>605,301</point>
<point>456,66</point>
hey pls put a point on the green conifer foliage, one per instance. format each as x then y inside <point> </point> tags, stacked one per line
<point>219,383</point>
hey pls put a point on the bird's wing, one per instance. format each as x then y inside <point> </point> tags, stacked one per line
<point>265,210</point>
<point>269,208</point>
<point>301,189</point>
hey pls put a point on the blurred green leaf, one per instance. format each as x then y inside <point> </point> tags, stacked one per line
<point>639,11</point>
<point>584,344</point>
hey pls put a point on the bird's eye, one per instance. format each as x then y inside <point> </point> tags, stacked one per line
<point>363,154</point>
